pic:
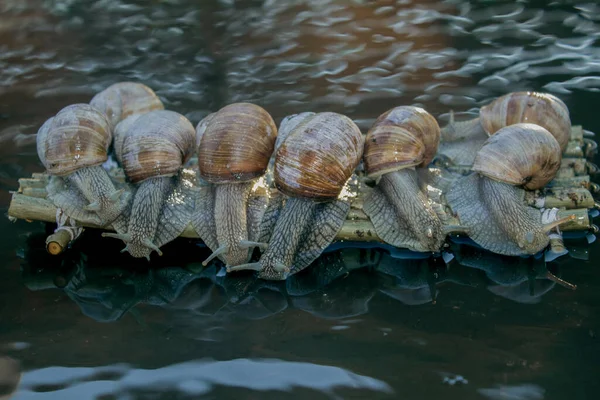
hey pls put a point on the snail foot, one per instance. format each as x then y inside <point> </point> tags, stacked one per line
<point>247,244</point>
<point>95,206</point>
<point>215,254</point>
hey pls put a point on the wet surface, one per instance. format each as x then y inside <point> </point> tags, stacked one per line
<point>96,324</point>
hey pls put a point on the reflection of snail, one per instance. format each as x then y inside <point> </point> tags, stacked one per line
<point>234,147</point>
<point>489,203</point>
<point>73,145</point>
<point>152,153</point>
<point>312,165</point>
<point>414,280</point>
<point>400,140</point>
<point>461,140</point>
<point>523,280</point>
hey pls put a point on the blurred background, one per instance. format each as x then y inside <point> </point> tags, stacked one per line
<point>386,339</point>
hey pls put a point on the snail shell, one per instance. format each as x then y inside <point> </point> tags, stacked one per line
<point>318,157</point>
<point>402,137</point>
<point>41,137</point>
<point>522,154</point>
<point>158,144</point>
<point>236,144</point>
<point>123,99</point>
<point>78,136</point>
<point>541,109</point>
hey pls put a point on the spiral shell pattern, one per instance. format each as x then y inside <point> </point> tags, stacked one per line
<point>525,155</point>
<point>542,109</point>
<point>123,99</point>
<point>157,144</point>
<point>78,136</point>
<point>318,157</point>
<point>236,143</point>
<point>402,137</point>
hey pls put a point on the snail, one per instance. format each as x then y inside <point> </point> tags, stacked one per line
<point>461,140</point>
<point>234,147</point>
<point>489,202</point>
<point>73,145</point>
<point>125,99</point>
<point>312,166</point>
<point>152,153</point>
<point>400,140</point>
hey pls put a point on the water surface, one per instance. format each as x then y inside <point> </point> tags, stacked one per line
<point>360,324</point>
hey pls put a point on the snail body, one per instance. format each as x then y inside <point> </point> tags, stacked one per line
<point>153,151</point>
<point>72,146</point>
<point>461,140</point>
<point>234,146</point>
<point>123,103</point>
<point>490,201</point>
<point>312,165</point>
<point>401,139</point>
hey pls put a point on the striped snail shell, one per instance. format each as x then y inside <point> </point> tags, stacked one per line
<point>78,136</point>
<point>123,99</point>
<point>234,148</point>
<point>153,151</point>
<point>157,144</point>
<point>312,165</point>
<point>525,155</point>
<point>73,145</point>
<point>236,144</point>
<point>490,203</point>
<point>400,140</point>
<point>402,137</point>
<point>318,157</point>
<point>542,109</point>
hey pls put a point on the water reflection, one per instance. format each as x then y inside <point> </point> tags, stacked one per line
<point>359,312</point>
<point>192,378</point>
<point>339,285</point>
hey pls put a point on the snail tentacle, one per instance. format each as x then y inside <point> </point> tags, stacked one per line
<point>220,250</point>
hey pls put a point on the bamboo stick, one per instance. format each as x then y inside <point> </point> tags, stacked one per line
<point>561,197</point>
<point>357,228</point>
<point>58,242</point>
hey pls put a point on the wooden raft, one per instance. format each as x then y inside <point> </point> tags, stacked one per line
<point>571,192</point>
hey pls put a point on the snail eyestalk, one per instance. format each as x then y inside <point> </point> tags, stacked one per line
<point>221,250</point>
<point>549,226</point>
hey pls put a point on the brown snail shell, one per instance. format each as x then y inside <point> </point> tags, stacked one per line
<point>402,137</point>
<point>318,157</point>
<point>522,154</point>
<point>78,136</point>
<point>123,99</point>
<point>236,144</point>
<point>157,145</point>
<point>541,109</point>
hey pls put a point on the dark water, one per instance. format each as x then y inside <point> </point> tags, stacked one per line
<point>359,324</point>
